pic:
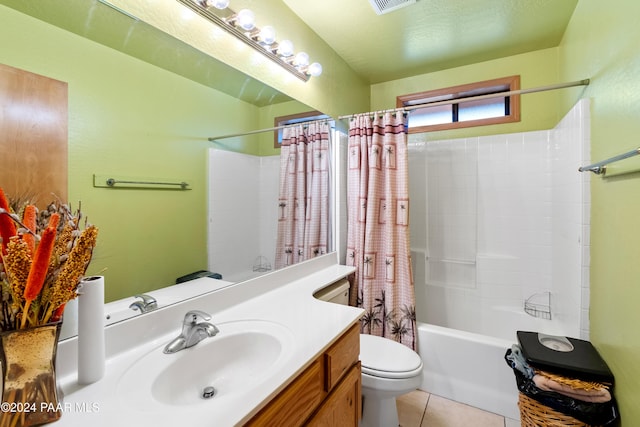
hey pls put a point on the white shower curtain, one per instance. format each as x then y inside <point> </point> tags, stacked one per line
<point>378,235</point>
<point>303,205</point>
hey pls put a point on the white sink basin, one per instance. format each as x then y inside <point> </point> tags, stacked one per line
<point>241,356</point>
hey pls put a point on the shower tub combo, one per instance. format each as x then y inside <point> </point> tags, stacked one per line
<point>499,234</point>
<point>471,289</point>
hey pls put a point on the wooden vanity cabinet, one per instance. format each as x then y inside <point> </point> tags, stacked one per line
<point>342,406</point>
<point>327,393</point>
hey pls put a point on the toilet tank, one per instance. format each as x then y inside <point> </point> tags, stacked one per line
<point>337,292</point>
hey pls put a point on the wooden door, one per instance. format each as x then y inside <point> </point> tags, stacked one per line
<point>33,136</point>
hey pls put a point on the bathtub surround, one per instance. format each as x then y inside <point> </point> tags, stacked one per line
<point>378,227</point>
<point>246,224</point>
<point>243,192</point>
<point>474,305</point>
<point>303,201</point>
<point>504,219</point>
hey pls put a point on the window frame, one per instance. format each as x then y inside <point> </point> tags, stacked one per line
<point>284,120</point>
<point>455,92</point>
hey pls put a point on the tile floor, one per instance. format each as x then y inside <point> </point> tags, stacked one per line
<point>422,409</point>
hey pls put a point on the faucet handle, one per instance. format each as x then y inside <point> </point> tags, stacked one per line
<point>147,299</point>
<point>192,316</point>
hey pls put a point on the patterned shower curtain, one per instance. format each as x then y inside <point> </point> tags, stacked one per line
<point>303,205</point>
<point>378,218</point>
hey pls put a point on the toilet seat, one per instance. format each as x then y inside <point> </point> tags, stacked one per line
<point>382,357</point>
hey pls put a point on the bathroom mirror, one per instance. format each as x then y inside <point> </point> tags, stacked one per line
<point>114,30</point>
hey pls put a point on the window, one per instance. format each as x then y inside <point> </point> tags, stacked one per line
<point>461,114</point>
<point>292,119</point>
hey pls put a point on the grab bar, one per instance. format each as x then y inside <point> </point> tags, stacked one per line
<point>600,168</point>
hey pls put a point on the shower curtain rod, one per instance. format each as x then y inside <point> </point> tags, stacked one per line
<point>252,132</point>
<point>583,82</point>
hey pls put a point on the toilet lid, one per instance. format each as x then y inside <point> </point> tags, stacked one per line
<point>386,358</point>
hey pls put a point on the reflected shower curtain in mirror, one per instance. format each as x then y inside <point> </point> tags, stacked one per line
<point>378,218</point>
<point>303,205</point>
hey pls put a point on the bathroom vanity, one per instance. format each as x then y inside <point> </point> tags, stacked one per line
<point>281,357</point>
<point>327,393</point>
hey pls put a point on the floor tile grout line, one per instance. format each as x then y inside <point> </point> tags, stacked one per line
<point>424,412</point>
<point>500,420</point>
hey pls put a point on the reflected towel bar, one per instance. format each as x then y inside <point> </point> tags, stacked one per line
<point>600,168</point>
<point>111,182</point>
<point>106,181</point>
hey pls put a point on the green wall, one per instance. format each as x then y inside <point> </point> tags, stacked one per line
<point>130,119</point>
<point>538,111</point>
<point>267,115</point>
<point>260,143</point>
<point>601,42</point>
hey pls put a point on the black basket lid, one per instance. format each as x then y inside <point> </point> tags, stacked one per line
<point>582,361</point>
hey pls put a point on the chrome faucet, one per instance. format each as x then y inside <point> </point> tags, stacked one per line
<point>147,304</point>
<point>192,331</point>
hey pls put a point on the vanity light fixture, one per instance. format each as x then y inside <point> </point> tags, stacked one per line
<point>242,26</point>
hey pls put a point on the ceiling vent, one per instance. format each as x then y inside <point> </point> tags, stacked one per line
<point>386,6</point>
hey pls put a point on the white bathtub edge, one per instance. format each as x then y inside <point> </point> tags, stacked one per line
<point>468,368</point>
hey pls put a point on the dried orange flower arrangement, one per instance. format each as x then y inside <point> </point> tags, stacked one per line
<point>44,255</point>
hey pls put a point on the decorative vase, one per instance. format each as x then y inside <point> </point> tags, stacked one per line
<point>29,389</point>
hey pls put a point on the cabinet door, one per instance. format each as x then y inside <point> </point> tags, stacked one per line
<point>342,407</point>
<point>296,403</point>
<point>341,356</point>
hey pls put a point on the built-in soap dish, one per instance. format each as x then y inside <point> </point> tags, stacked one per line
<point>539,305</point>
<point>261,264</point>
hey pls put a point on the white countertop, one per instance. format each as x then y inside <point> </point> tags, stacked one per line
<point>284,297</point>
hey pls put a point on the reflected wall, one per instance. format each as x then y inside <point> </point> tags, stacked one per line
<point>130,118</point>
<point>243,198</point>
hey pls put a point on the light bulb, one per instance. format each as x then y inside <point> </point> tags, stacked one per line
<point>218,4</point>
<point>246,19</point>
<point>315,69</point>
<point>221,4</point>
<point>285,48</point>
<point>301,60</point>
<point>268,35</point>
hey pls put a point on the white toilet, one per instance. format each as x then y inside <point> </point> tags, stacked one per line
<point>389,369</point>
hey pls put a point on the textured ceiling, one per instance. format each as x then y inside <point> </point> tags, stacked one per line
<point>433,35</point>
<point>427,36</point>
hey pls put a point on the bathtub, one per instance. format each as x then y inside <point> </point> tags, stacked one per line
<point>468,368</point>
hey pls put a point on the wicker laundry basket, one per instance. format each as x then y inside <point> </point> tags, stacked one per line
<point>535,414</point>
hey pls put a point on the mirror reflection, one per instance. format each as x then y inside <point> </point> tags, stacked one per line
<point>141,105</point>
